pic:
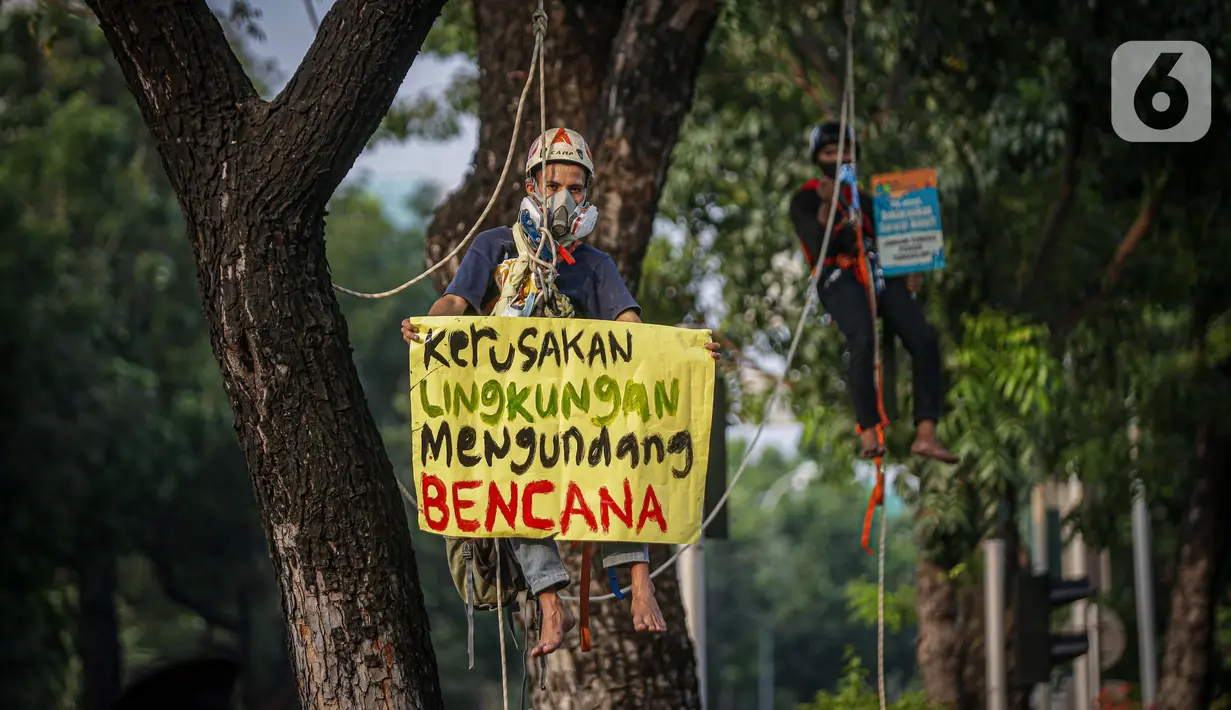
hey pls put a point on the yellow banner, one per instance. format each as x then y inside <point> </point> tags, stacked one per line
<point>567,428</point>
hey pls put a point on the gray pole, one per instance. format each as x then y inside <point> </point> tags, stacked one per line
<point>691,569</point>
<point>993,590</point>
<point>1143,578</point>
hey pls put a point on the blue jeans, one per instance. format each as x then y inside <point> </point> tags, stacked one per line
<point>544,570</point>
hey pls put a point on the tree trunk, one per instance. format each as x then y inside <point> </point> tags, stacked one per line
<point>938,648</point>
<point>1203,547</point>
<point>628,93</point>
<point>576,49</point>
<point>973,688</point>
<point>98,632</point>
<point>625,669</point>
<point>648,92</point>
<point>252,179</point>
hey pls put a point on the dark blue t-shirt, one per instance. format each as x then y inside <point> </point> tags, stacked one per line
<point>593,283</point>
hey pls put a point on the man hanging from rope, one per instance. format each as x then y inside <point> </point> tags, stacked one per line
<point>845,296</point>
<point>586,284</point>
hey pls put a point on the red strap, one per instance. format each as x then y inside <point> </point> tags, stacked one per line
<point>587,555</point>
<point>878,492</point>
<point>566,254</point>
<point>878,495</point>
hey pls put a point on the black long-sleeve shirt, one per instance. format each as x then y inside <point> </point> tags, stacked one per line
<point>806,204</point>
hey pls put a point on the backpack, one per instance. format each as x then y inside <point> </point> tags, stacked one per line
<point>472,564</point>
<point>473,567</point>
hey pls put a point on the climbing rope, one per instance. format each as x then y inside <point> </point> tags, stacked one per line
<point>539,21</point>
<point>504,664</point>
<point>870,281</point>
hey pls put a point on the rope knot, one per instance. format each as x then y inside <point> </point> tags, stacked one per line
<point>539,20</point>
<point>850,12</point>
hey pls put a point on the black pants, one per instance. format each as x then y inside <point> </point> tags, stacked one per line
<point>847,301</point>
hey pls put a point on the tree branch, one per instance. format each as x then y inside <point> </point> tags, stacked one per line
<point>344,86</point>
<point>800,60</point>
<point>1132,238</point>
<point>179,66</point>
<point>1053,225</point>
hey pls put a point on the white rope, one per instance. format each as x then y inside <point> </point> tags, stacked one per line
<point>848,104</point>
<point>536,58</point>
<point>880,611</point>
<point>504,665</point>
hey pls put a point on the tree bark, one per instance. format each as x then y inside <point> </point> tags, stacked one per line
<point>625,670</point>
<point>252,180</point>
<point>1188,650</point>
<point>973,686</point>
<point>938,648</point>
<point>98,632</point>
<point>628,94</point>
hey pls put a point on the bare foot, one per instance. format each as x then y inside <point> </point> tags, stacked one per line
<point>646,614</point>
<point>871,447</point>
<point>556,622</point>
<point>926,444</point>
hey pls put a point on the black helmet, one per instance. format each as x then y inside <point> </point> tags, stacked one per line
<point>827,133</point>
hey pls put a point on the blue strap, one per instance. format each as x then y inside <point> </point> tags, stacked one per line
<point>614,581</point>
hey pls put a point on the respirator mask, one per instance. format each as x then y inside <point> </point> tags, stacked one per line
<point>561,216</point>
<point>829,168</point>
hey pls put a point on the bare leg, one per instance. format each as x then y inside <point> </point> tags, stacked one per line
<point>556,622</point>
<point>646,614</point>
<point>927,444</point>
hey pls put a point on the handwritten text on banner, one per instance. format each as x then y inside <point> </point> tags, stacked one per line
<point>577,429</point>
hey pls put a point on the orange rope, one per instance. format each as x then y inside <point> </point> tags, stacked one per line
<point>587,556</point>
<point>864,276</point>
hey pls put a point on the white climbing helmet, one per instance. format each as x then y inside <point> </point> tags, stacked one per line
<point>564,145</point>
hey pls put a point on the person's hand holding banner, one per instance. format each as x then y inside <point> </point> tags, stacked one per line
<point>567,428</point>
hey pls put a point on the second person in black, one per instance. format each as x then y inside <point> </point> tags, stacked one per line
<point>845,296</point>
